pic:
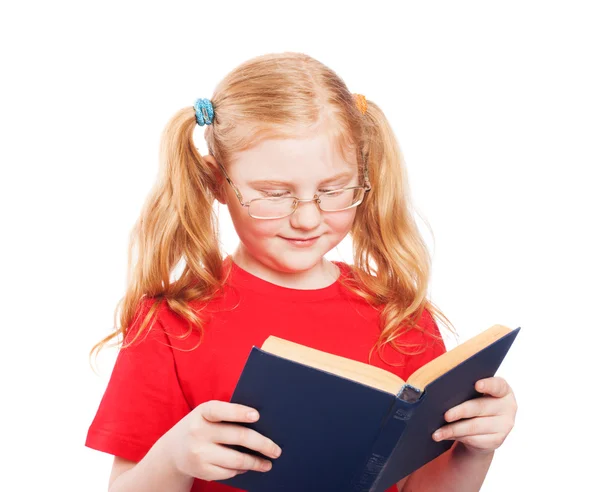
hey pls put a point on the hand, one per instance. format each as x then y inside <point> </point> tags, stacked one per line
<point>195,448</point>
<point>485,421</point>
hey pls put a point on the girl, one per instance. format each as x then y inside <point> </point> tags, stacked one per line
<point>300,163</point>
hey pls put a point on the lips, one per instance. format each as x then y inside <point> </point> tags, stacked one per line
<point>303,242</point>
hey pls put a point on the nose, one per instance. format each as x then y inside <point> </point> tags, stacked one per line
<point>307,215</point>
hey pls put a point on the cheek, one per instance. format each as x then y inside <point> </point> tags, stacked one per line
<point>266,228</point>
<point>249,228</point>
<point>341,222</point>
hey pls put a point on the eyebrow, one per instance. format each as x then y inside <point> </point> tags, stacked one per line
<point>270,182</point>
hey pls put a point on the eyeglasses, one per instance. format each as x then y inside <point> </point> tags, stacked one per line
<point>278,207</point>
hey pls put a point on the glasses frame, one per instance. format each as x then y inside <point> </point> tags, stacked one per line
<point>317,197</point>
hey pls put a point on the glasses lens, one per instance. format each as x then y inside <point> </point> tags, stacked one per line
<point>271,208</point>
<point>341,199</point>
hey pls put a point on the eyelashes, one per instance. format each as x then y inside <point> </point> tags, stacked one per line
<point>276,194</point>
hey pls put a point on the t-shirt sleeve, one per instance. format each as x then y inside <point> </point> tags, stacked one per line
<point>429,339</point>
<point>143,398</point>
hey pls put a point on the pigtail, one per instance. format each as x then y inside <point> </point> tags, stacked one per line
<point>392,259</point>
<point>176,223</point>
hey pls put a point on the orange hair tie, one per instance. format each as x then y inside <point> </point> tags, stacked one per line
<point>361,103</point>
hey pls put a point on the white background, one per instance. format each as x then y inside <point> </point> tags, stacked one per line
<point>495,105</point>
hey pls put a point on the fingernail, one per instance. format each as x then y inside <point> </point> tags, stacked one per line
<point>253,415</point>
<point>481,386</point>
<point>267,466</point>
<point>437,435</point>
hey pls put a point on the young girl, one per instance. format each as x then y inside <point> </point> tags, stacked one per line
<point>300,163</point>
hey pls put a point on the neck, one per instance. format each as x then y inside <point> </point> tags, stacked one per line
<point>321,275</point>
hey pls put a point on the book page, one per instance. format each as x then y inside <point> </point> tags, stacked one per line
<point>442,364</point>
<point>341,366</point>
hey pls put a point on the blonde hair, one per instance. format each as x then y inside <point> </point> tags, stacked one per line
<point>281,95</point>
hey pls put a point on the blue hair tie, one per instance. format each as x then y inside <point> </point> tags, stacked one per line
<point>204,112</point>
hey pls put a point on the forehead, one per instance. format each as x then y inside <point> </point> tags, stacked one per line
<point>293,159</point>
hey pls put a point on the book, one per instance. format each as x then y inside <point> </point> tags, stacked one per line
<point>346,426</point>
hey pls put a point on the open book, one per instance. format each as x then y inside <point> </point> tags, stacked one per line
<point>347,426</point>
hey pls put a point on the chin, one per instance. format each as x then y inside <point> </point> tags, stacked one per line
<point>297,261</point>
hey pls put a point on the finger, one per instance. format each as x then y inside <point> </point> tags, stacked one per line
<point>483,442</point>
<point>496,387</point>
<point>215,472</point>
<point>249,438</point>
<point>477,407</point>
<point>469,427</point>
<point>222,411</point>
<point>236,460</point>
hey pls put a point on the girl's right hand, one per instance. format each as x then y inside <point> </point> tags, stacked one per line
<point>195,444</point>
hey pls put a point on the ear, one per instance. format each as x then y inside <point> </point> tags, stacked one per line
<point>219,178</point>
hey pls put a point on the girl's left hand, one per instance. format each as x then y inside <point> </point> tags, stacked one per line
<point>485,421</point>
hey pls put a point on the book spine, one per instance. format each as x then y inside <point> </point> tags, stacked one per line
<point>365,480</point>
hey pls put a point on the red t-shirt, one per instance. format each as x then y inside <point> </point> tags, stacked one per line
<point>157,381</point>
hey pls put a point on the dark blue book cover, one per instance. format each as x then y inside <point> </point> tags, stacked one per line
<point>416,447</point>
<point>337,434</point>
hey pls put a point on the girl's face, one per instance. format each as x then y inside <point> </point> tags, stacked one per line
<point>291,167</point>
